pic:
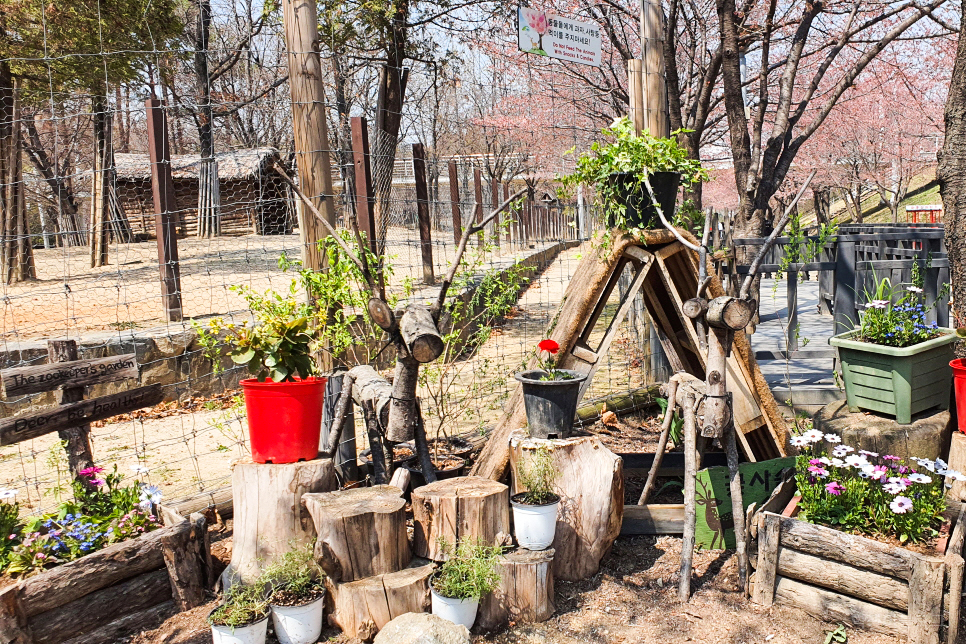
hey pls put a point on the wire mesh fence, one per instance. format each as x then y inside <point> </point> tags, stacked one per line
<point>81,248</point>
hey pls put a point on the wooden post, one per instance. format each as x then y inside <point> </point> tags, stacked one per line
<point>652,53</point>
<point>188,560</point>
<point>301,23</point>
<point>931,248</point>
<point>768,541</point>
<point>506,195</point>
<point>78,439</point>
<point>926,600</point>
<point>454,201</point>
<point>844,315</point>
<point>791,301</point>
<point>422,212</point>
<point>495,201</point>
<point>365,197</point>
<point>162,188</point>
<point>635,93</point>
<point>478,208</point>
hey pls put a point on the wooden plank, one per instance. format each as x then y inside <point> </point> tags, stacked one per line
<point>75,579</point>
<point>78,373</point>
<point>926,600</point>
<point>847,548</point>
<point>829,606</point>
<point>27,426</point>
<point>656,518</point>
<point>92,611</point>
<point>842,578</point>
<point>777,501</point>
<point>77,440</point>
<point>767,568</point>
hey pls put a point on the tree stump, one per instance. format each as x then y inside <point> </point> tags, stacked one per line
<point>360,608</point>
<point>360,532</point>
<point>268,514</point>
<point>457,508</point>
<point>525,593</point>
<point>590,484</point>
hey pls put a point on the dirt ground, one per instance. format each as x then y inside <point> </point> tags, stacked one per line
<point>632,600</point>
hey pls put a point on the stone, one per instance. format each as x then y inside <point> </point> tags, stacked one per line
<point>422,628</point>
<point>927,436</point>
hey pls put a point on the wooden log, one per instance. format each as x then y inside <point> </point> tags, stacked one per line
<point>459,508</point>
<point>361,608</point>
<point>591,489</point>
<point>695,307</point>
<point>653,518</point>
<point>269,519</point>
<point>727,312</point>
<point>847,548</point>
<point>402,412</point>
<point>128,625</point>
<point>830,606</point>
<point>13,620</point>
<point>369,386</point>
<point>381,313</point>
<point>954,598</point>
<point>360,532</point>
<point>213,503</point>
<point>926,600</point>
<point>688,404</point>
<point>419,332</point>
<point>525,594</point>
<point>400,478</point>
<point>957,461</point>
<point>767,568</point>
<point>27,426</point>
<point>842,578</point>
<point>96,609</point>
<point>69,373</point>
<point>75,579</point>
<point>187,561</point>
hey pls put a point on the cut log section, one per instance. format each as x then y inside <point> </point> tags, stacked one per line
<point>268,516</point>
<point>525,593</point>
<point>591,488</point>
<point>361,608</point>
<point>361,532</point>
<point>459,508</point>
<point>369,386</point>
<point>419,332</point>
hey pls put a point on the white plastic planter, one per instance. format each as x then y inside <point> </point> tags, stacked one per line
<point>298,624</point>
<point>458,611</point>
<point>535,525</point>
<point>250,634</point>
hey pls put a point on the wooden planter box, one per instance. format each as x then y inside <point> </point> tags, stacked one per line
<point>861,582</point>
<point>896,381</point>
<point>113,592</point>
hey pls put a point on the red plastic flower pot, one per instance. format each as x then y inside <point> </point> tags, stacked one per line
<point>284,419</point>
<point>959,386</point>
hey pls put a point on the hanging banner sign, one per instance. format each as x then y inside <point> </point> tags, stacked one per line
<point>548,34</point>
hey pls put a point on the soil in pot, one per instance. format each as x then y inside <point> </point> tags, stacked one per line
<point>402,454</point>
<point>447,467</point>
<point>534,525</point>
<point>451,445</point>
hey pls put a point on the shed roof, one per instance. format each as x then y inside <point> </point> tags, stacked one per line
<point>248,163</point>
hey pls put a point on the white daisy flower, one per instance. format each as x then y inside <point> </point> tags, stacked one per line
<point>941,466</point>
<point>914,289</point>
<point>856,461</point>
<point>954,475</point>
<point>813,436</point>
<point>901,504</point>
<point>919,478</point>
<point>898,480</point>
<point>832,438</point>
<point>865,452</point>
<point>841,450</point>
<point>893,488</point>
<point>7,493</point>
<point>137,468</point>
<point>799,441</point>
<point>836,462</point>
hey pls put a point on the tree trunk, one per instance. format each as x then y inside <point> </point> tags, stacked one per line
<point>65,215</point>
<point>952,177</point>
<point>209,219</point>
<point>17,254</point>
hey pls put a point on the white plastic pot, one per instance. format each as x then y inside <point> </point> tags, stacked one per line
<point>458,611</point>
<point>249,634</point>
<point>535,525</point>
<point>299,624</point>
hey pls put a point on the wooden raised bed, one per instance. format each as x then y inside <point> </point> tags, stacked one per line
<point>861,582</point>
<point>112,592</point>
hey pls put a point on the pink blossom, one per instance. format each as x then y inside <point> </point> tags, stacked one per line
<point>819,472</point>
<point>91,471</point>
<point>834,488</point>
<point>815,461</point>
<point>890,457</point>
<point>97,482</point>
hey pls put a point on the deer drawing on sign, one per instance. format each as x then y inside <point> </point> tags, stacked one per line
<point>718,524</point>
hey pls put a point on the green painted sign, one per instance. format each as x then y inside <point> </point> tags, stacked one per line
<point>715,524</point>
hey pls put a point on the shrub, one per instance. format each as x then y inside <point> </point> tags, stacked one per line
<point>470,571</point>
<point>536,473</point>
<point>295,576</point>
<point>863,492</point>
<point>242,605</point>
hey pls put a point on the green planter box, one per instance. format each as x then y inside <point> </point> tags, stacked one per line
<point>899,382</point>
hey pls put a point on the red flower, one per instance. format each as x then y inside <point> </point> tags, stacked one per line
<point>549,345</point>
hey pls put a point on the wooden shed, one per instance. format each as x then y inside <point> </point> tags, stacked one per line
<point>254,199</point>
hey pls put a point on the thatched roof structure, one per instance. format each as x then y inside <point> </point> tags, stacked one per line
<point>235,165</point>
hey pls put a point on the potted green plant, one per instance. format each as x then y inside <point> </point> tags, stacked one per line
<point>242,617</point>
<point>284,400</point>
<point>298,596</point>
<point>895,363</point>
<point>535,509</point>
<point>550,394</point>
<point>632,172</point>
<point>469,572</point>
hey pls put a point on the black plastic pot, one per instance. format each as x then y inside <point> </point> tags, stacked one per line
<point>639,211</point>
<point>365,459</point>
<point>551,404</point>
<point>416,478</point>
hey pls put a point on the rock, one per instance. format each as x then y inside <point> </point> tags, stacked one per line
<point>926,437</point>
<point>422,628</point>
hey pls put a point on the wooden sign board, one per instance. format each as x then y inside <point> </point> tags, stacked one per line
<point>714,527</point>
<point>78,373</point>
<point>21,428</point>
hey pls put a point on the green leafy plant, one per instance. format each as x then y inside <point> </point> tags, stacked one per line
<point>626,152</point>
<point>677,423</point>
<point>469,571</point>
<point>295,577</point>
<point>838,636</point>
<point>537,474</point>
<point>242,605</point>
<point>895,316</point>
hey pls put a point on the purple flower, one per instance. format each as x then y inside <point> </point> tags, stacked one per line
<point>903,469</point>
<point>818,472</point>
<point>890,457</point>
<point>834,488</point>
<point>901,504</point>
<point>97,482</point>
